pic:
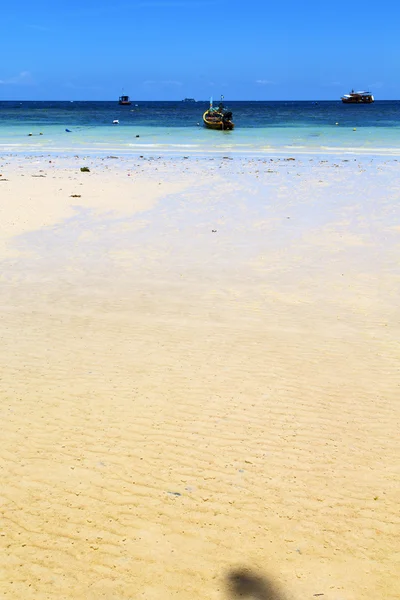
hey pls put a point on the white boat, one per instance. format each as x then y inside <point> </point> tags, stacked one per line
<point>358,98</point>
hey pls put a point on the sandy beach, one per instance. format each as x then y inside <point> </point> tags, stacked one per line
<point>200,378</point>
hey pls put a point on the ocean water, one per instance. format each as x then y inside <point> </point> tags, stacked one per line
<point>161,128</point>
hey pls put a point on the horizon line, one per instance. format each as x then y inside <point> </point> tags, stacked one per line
<point>201,100</point>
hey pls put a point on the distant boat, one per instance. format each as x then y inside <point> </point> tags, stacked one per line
<point>124,100</point>
<point>358,98</point>
<point>218,118</point>
<point>188,100</point>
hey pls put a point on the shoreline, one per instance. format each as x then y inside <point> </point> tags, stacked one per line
<point>190,150</point>
<point>187,154</point>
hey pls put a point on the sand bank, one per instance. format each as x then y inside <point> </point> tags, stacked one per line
<point>200,374</point>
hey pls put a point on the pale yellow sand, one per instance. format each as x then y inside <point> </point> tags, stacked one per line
<point>179,403</point>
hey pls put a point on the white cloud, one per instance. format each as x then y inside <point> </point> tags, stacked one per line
<point>38,27</point>
<point>169,82</point>
<point>73,86</point>
<point>24,78</point>
<point>171,4</point>
<point>265,82</point>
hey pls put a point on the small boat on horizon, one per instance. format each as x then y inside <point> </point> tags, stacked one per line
<point>189,100</point>
<point>358,98</point>
<point>218,118</point>
<point>124,101</point>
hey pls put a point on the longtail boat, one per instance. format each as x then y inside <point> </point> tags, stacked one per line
<point>218,118</point>
<point>124,101</point>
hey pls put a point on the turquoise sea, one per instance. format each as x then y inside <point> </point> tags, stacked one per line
<point>161,128</point>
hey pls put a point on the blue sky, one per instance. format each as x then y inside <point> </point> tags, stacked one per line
<point>172,49</point>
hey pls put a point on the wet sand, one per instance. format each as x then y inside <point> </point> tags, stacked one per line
<point>199,375</point>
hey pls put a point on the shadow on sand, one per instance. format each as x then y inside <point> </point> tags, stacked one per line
<point>244,583</point>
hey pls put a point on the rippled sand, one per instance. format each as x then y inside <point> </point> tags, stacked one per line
<point>199,375</point>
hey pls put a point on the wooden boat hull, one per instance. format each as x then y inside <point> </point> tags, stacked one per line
<point>357,101</point>
<point>217,122</point>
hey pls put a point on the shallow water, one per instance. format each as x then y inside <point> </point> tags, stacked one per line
<point>176,128</point>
